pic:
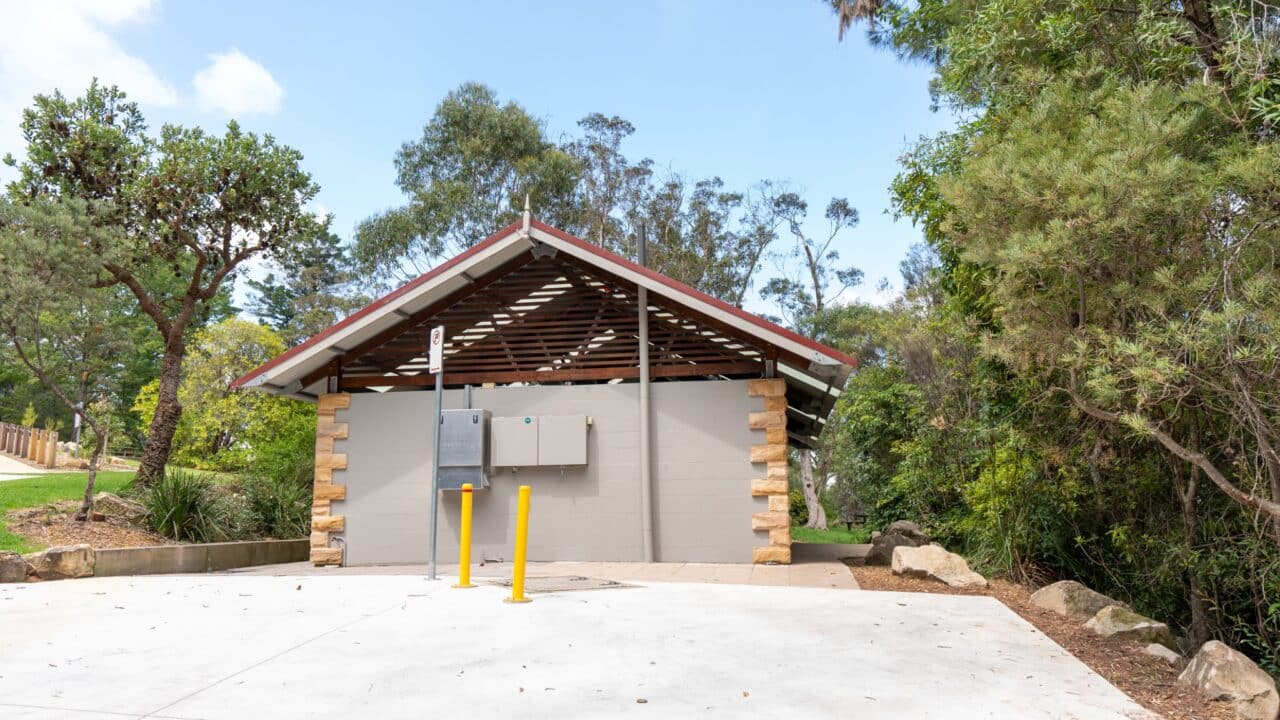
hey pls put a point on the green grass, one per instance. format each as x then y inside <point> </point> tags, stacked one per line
<point>832,534</point>
<point>45,489</point>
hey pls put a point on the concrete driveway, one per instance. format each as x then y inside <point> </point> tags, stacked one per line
<point>393,646</point>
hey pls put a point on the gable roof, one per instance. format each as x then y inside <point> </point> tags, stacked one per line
<point>816,371</point>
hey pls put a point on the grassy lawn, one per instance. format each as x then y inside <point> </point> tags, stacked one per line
<point>833,534</point>
<point>45,489</point>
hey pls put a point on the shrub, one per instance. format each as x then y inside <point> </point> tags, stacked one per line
<point>281,508</point>
<point>188,506</point>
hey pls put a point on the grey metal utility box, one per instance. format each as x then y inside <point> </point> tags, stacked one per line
<point>562,440</point>
<point>464,448</point>
<point>515,441</point>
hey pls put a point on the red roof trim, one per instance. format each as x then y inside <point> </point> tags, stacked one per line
<point>674,285</point>
<point>383,301</point>
<point>697,294</point>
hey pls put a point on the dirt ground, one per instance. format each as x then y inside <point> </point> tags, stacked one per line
<point>55,524</point>
<point>1148,680</point>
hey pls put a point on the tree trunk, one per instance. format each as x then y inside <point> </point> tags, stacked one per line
<point>817,516</point>
<point>165,423</point>
<point>1198,630</point>
<point>86,506</point>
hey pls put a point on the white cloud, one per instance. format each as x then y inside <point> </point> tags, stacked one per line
<point>63,45</point>
<point>235,85</point>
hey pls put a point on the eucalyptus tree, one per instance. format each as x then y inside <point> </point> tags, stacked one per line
<point>466,176</point>
<point>193,207</point>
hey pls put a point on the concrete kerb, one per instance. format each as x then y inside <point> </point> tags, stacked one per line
<point>211,557</point>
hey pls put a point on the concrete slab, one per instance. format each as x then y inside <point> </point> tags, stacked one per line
<point>829,574</point>
<point>395,646</point>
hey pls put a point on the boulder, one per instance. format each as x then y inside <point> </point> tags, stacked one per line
<point>1159,651</point>
<point>935,563</point>
<point>908,529</point>
<point>59,563</point>
<point>1068,597</point>
<point>1121,623</point>
<point>882,546</point>
<point>12,567</point>
<point>1221,673</point>
<point>116,506</point>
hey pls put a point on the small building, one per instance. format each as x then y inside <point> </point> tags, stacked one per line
<point>651,420</point>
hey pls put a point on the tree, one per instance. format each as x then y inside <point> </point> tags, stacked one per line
<point>222,428</point>
<point>808,283</point>
<point>465,177</point>
<point>194,207</point>
<point>1106,221</point>
<point>313,291</point>
<point>29,416</point>
<point>64,332</point>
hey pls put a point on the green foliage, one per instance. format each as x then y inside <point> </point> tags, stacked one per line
<point>188,506</point>
<point>235,430</point>
<point>1094,351</point>
<point>29,416</point>
<point>176,214</point>
<point>313,290</point>
<point>280,509</point>
<point>831,535</point>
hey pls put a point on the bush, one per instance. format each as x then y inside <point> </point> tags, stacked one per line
<point>280,508</point>
<point>188,506</point>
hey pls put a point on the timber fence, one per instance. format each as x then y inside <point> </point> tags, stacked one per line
<point>36,446</point>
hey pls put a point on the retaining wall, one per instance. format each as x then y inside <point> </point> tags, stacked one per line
<point>210,557</point>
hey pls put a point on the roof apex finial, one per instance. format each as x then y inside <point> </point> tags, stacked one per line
<point>528,215</point>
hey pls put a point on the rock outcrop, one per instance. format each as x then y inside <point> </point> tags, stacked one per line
<point>13,568</point>
<point>1068,597</point>
<point>935,563</point>
<point>882,546</point>
<point>1221,673</point>
<point>1159,651</point>
<point>1121,623</point>
<point>907,529</point>
<point>115,506</point>
<point>63,562</point>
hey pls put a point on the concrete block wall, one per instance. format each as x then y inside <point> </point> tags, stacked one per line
<point>703,477</point>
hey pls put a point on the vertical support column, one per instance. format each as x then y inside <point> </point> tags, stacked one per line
<point>773,455</point>
<point>325,491</point>
<point>52,459</point>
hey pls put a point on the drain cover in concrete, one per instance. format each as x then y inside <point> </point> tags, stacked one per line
<point>560,583</point>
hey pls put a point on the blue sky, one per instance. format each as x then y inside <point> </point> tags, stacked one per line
<point>743,90</point>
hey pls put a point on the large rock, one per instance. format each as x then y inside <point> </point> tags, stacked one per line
<point>1221,673</point>
<point>907,529</point>
<point>1068,597</point>
<point>1157,650</point>
<point>115,506</point>
<point>59,563</point>
<point>1121,623</point>
<point>12,567</point>
<point>881,552</point>
<point>934,563</point>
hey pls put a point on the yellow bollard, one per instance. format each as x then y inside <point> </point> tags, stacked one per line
<point>464,540</point>
<point>522,546</point>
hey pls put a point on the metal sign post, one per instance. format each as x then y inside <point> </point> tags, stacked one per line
<point>435,364</point>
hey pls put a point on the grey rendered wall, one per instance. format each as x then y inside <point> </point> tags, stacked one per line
<point>701,475</point>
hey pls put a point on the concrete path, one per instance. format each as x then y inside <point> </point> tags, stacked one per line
<point>395,646</point>
<point>826,574</point>
<point>13,469</point>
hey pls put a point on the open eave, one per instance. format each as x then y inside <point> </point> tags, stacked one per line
<point>534,304</point>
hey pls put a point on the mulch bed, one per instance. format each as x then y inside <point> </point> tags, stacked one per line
<point>1148,680</point>
<point>55,524</point>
